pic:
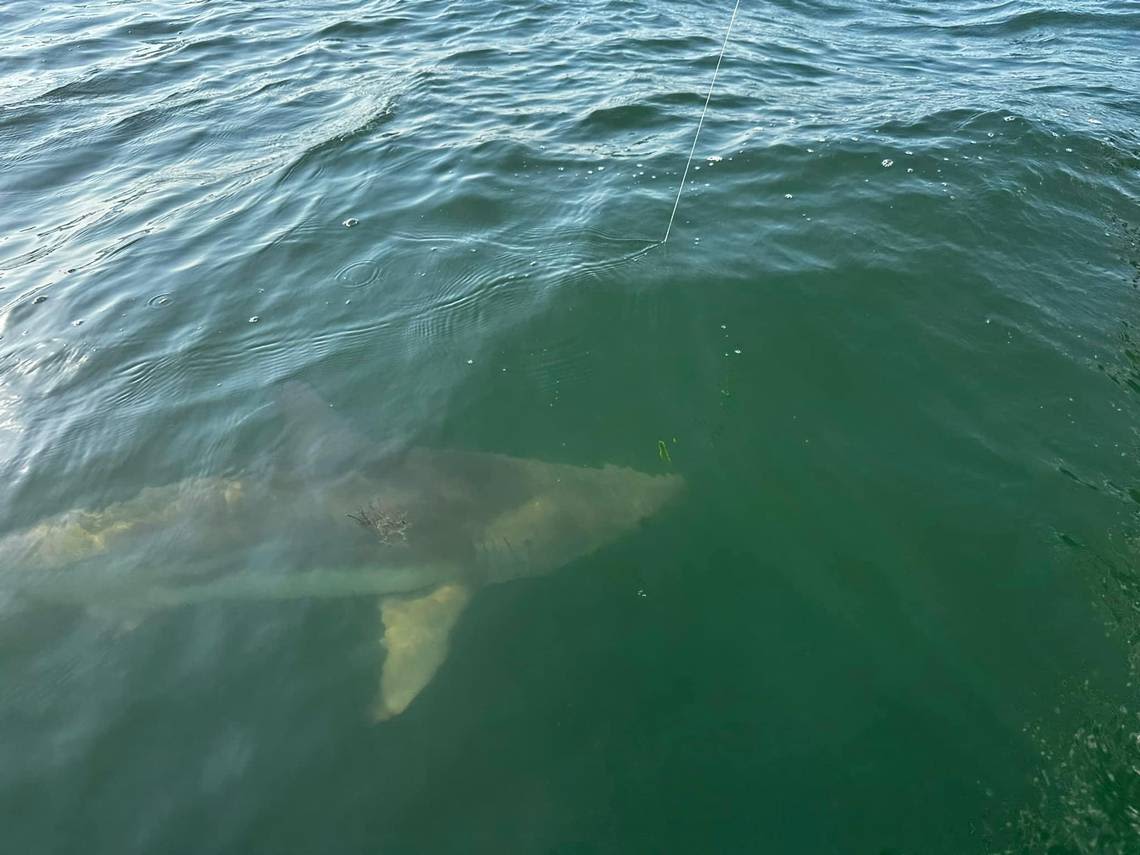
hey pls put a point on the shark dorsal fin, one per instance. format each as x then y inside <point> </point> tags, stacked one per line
<point>318,440</point>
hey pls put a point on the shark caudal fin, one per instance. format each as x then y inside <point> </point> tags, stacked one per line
<point>415,640</point>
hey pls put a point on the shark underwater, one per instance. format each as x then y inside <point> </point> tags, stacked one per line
<point>419,529</point>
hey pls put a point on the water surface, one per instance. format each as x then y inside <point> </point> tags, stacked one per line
<point>891,345</point>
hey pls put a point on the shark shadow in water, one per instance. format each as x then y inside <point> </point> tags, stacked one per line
<point>420,529</point>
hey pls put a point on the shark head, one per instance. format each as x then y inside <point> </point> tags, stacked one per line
<point>419,529</point>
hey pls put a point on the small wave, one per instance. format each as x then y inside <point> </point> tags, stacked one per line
<point>623,117</point>
<point>476,56</point>
<point>1051,20</point>
<point>338,141</point>
<point>346,30</point>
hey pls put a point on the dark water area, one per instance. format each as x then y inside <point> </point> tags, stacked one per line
<point>892,347</point>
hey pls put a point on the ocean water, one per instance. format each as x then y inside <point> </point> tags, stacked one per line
<point>891,346</point>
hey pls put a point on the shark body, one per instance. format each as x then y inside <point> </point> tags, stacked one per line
<point>420,529</point>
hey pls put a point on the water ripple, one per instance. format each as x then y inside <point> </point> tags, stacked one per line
<point>913,205</point>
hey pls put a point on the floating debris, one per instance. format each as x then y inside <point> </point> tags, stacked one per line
<point>390,525</point>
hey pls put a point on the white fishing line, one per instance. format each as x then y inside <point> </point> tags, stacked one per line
<point>696,136</point>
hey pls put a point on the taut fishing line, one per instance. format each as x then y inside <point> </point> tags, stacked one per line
<point>697,135</point>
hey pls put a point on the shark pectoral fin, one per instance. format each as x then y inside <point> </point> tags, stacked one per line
<point>416,632</point>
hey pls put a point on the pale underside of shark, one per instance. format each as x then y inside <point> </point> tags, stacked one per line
<point>420,529</point>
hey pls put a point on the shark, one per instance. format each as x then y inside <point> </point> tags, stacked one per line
<point>419,529</point>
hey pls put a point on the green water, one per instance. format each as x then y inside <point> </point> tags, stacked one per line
<point>891,346</point>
